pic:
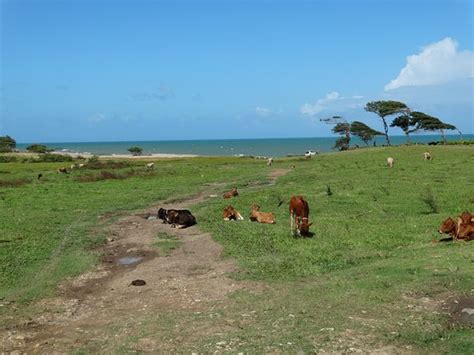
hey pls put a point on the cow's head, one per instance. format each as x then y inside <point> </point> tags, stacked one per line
<point>162,214</point>
<point>448,226</point>
<point>234,191</point>
<point>303,227</point>
<point>255,207</point>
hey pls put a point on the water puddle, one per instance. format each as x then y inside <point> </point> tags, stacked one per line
<point>129,260</point>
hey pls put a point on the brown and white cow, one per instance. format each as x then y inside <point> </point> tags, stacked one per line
<point>231,214</point>
<point>462,228</point>
<point>62,171</point>
<point>427,156</point>
<point>299,216</point>
<point>231,193</point>
<point>261,217</point>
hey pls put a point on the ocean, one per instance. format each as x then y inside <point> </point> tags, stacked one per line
<point>270,147</point>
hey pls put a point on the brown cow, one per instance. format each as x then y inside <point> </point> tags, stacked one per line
<point>261,217</point>
<point>231,193</point>
<point>230,213</point>
<point>62,170</point>
<point>299,212</point>
<point>463,228</point>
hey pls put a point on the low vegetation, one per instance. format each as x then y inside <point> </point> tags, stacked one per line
<point>370,276</point>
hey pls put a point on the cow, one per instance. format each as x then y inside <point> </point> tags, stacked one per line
<point>62,171</point>
<point>230,213</point>
<point>261,217</point>
<point>81,165</point>
<point>462,228</point>
<point>180,218</point>
<point>269,161</point>
<point>39,176</point>
<point>150,166</point>
<point>427,156</point>
<point>299,216</point>
<point>231,193</point>
<point>390,162</point>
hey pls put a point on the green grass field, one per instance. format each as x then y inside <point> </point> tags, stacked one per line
<point>371,258</point>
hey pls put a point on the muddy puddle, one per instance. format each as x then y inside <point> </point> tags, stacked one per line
<point>129,260</point>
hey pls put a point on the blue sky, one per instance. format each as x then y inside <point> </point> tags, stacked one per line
<point>164,70</point>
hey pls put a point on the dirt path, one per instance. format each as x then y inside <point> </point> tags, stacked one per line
<point>189,278</point>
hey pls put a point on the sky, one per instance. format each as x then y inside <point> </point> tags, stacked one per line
<point>127,70</point>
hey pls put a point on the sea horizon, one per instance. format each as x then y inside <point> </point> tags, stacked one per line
<point>231,147</point>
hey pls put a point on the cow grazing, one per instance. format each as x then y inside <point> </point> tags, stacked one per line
<point>269,161</point>
<point>81,165</point>
<point>390,162</point>
<point>299,216</point>
<point>180,218</point>
<point>231,193</point>
<point>150,166</point>
<point>427,156</point>
<point>261,217</point>
<point>231,214</point>
<point>62,171</point>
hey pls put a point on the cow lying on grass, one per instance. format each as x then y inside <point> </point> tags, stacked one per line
<point>177,218</point>
<point>231,193</point>
<point>461,228</point>
<point>230,213</point>
<point>261,217</point>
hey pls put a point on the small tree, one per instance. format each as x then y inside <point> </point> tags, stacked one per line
<point>7,144</point>
<point>38,148</point>
<point>364,132</point>
<point>135,151</point>
<point>384,109</point>
<point>343,128</point>
<point>424,122</point>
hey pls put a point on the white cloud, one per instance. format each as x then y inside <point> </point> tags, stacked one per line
<point>438,63</point>
<point>97,117</point>
<point>266,112</point>
<point>357,97</point>
<point>320,105</point>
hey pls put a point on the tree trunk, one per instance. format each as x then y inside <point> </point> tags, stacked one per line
<point>408,137</point>
<point>444,136</point>
<point>385,127</point>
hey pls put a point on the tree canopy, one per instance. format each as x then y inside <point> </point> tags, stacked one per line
<point>7,144</point>
<point>386,108</point>
<point>424,122</point>
<point>364,132</point>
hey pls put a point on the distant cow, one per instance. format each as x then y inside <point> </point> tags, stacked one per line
<point>231,193</point>
<point>390,162</point>
<point>62,170</point>
<point>39,176</point>
<point>427,156</point>
<point>230,213</point>
<point>299,216</point>
<point>180,218</point>
<point>150,166</point>
<point>261,217</point>
<point>269,161</point>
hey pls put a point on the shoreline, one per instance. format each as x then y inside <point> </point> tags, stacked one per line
<point>88,155</point>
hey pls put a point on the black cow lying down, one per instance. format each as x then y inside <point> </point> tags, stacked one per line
<point>180,218</point>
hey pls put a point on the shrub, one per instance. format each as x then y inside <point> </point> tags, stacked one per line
<point>38,148</point>
<point>14,183</point>
<point>135,150</point>
<point>109,164</point>
<point>7,144</point>
<point>8,159</point>
<point>52,158</point>
<point>430,201</point>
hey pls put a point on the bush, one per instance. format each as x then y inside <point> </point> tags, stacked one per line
<point>8,159</point>
<point>109,164</point>
<point>52,158</point>
<point>7,144</point>
<point>14,183</point>
<point>135,150</point>
<point>38,148</point>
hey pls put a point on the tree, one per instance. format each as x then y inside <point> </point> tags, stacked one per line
<point>342,127</point>
<point>7,144</point>
<point>38,148</point>
<point>364,132</point>
<point>405,122</point>
<point>135,151</point>
<point>384,109</point>
<point>424,122</point>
